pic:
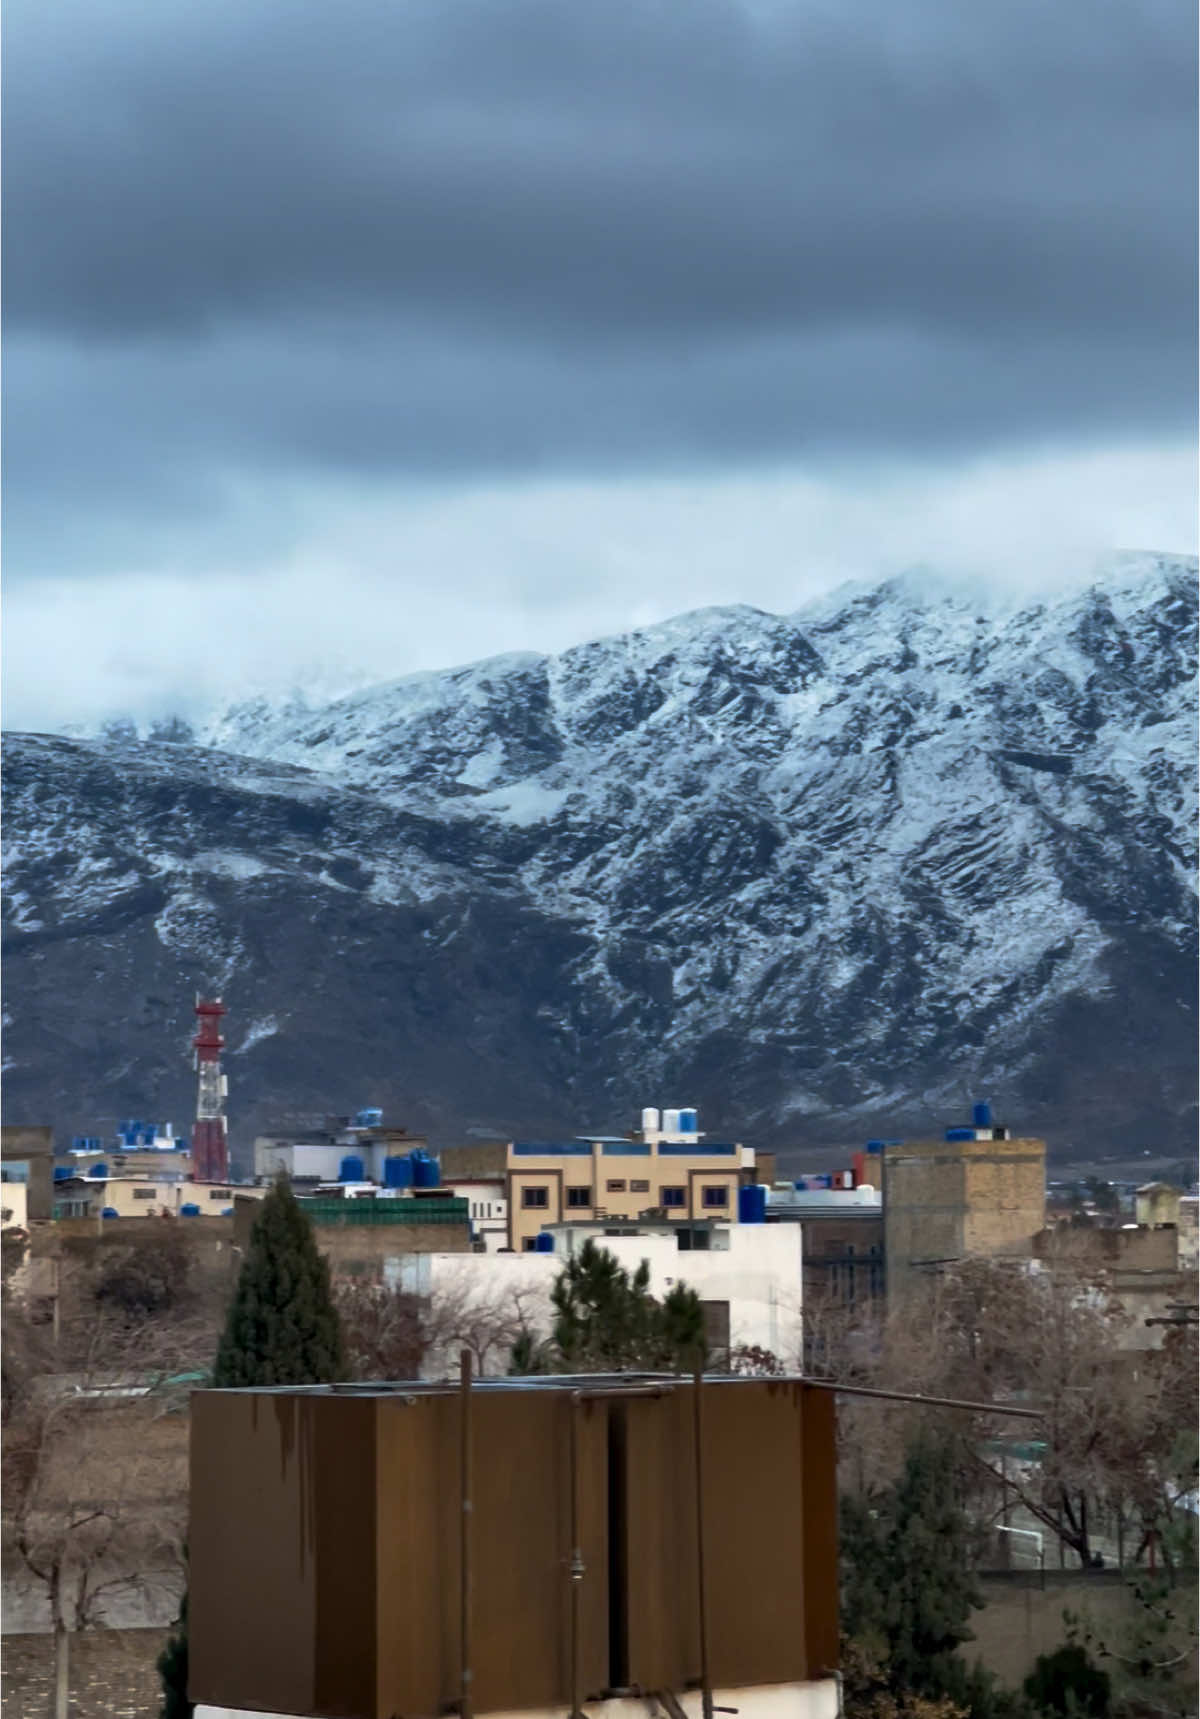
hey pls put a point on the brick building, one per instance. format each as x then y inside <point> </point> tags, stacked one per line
<point>975,1194</point>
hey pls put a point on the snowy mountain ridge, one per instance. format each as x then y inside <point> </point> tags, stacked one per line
<point>842,865</point>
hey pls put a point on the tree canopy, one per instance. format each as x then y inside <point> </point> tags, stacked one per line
<point>282,1327</point>
<point>607,1321</point>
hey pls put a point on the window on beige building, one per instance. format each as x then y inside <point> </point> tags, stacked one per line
<point>579,1196</point>
<point>639,1187</point>
<point>144,1193</point>
<point>535,1197</point>
<point>674,1196</point>
<point>617,1187</point>
<point>716,1196</point>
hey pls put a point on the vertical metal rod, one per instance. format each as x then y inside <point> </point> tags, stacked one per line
<point>576,1558</point>
<point>465,1702</point>
<point>701,1596</point>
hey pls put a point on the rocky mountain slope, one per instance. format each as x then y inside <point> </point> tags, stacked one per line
<point>820,874</point>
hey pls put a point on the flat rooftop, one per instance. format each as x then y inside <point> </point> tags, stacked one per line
<point>551,1383</point>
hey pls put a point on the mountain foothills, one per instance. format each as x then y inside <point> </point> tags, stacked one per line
<point>823,875</point>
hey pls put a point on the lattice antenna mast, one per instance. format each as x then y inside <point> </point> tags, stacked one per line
<point>210,1139</point>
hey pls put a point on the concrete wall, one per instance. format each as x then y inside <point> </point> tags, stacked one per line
<point>34,1145</point>
<point>486,1158</point>
<point>1019,1620</point>
<point>86,1240</point>
<point>1122,1249</point>
<point>14,1205</point>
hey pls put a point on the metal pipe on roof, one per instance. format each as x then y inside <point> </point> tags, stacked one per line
<point>706,1700</point>
<point>928,1402</point>
<point>627,1391</point>
<point>465,1547</point>
<point>576,1565</point>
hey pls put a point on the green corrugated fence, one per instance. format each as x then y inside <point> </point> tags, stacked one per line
<point>397,1211</point>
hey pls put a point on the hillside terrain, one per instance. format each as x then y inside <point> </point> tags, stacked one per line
<point>823,875</point>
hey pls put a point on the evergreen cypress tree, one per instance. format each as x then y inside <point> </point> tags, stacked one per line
<point>282,1327</point>
<point>909,1591</point>
<point>606,1319</point>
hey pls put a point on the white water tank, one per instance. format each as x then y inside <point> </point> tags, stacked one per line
<point>650,1121</point>
<point>670,1122</point>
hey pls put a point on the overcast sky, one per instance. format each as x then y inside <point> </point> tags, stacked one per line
<point>356,337</point>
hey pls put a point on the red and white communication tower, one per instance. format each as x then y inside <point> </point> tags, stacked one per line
<point>210,1141</point>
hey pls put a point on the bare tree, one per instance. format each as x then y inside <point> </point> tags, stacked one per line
<point>393,1334</point>
<point>485,1322</point>
<point>385,1330</point>
<point>94,1497</point>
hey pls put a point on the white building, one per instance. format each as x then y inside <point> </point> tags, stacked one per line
<point>14,1202</point>
<point>487,1207</point>
<point>748,1276</point>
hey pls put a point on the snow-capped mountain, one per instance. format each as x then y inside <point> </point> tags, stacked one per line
<point>820,874</point>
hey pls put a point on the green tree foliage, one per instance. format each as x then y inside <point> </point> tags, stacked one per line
<point>1150,1656</point>
<point>1068,1682</point>
<point>607,1321</point>
<point>283,1327</point>
<point>867,1692</point>
<point>908,1585</point>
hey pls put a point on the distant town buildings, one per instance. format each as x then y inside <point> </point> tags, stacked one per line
<point>713,1213</point>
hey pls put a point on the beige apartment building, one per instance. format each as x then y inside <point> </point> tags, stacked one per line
<point>145,1197</point>
<point>671,1172</point>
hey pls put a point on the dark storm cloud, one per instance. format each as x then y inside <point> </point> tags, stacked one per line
<point>457,238</point>
<point>633,171</point>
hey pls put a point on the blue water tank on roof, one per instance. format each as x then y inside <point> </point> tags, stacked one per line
<point>109,1212</point>
<point>981,1115</point>
<point>100,1172</point>
<point>426,1172</point>
<point>752,1203</point>
<point>875,1145</point>
<point>189,1211</point>
<point>368,1119</point>
<point>397,1173</point>
<point>543,1243</point>
<point>960,1134</point>
<point>689,1122</point>
<point>62,1172</point>
<point>351,1169</point>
